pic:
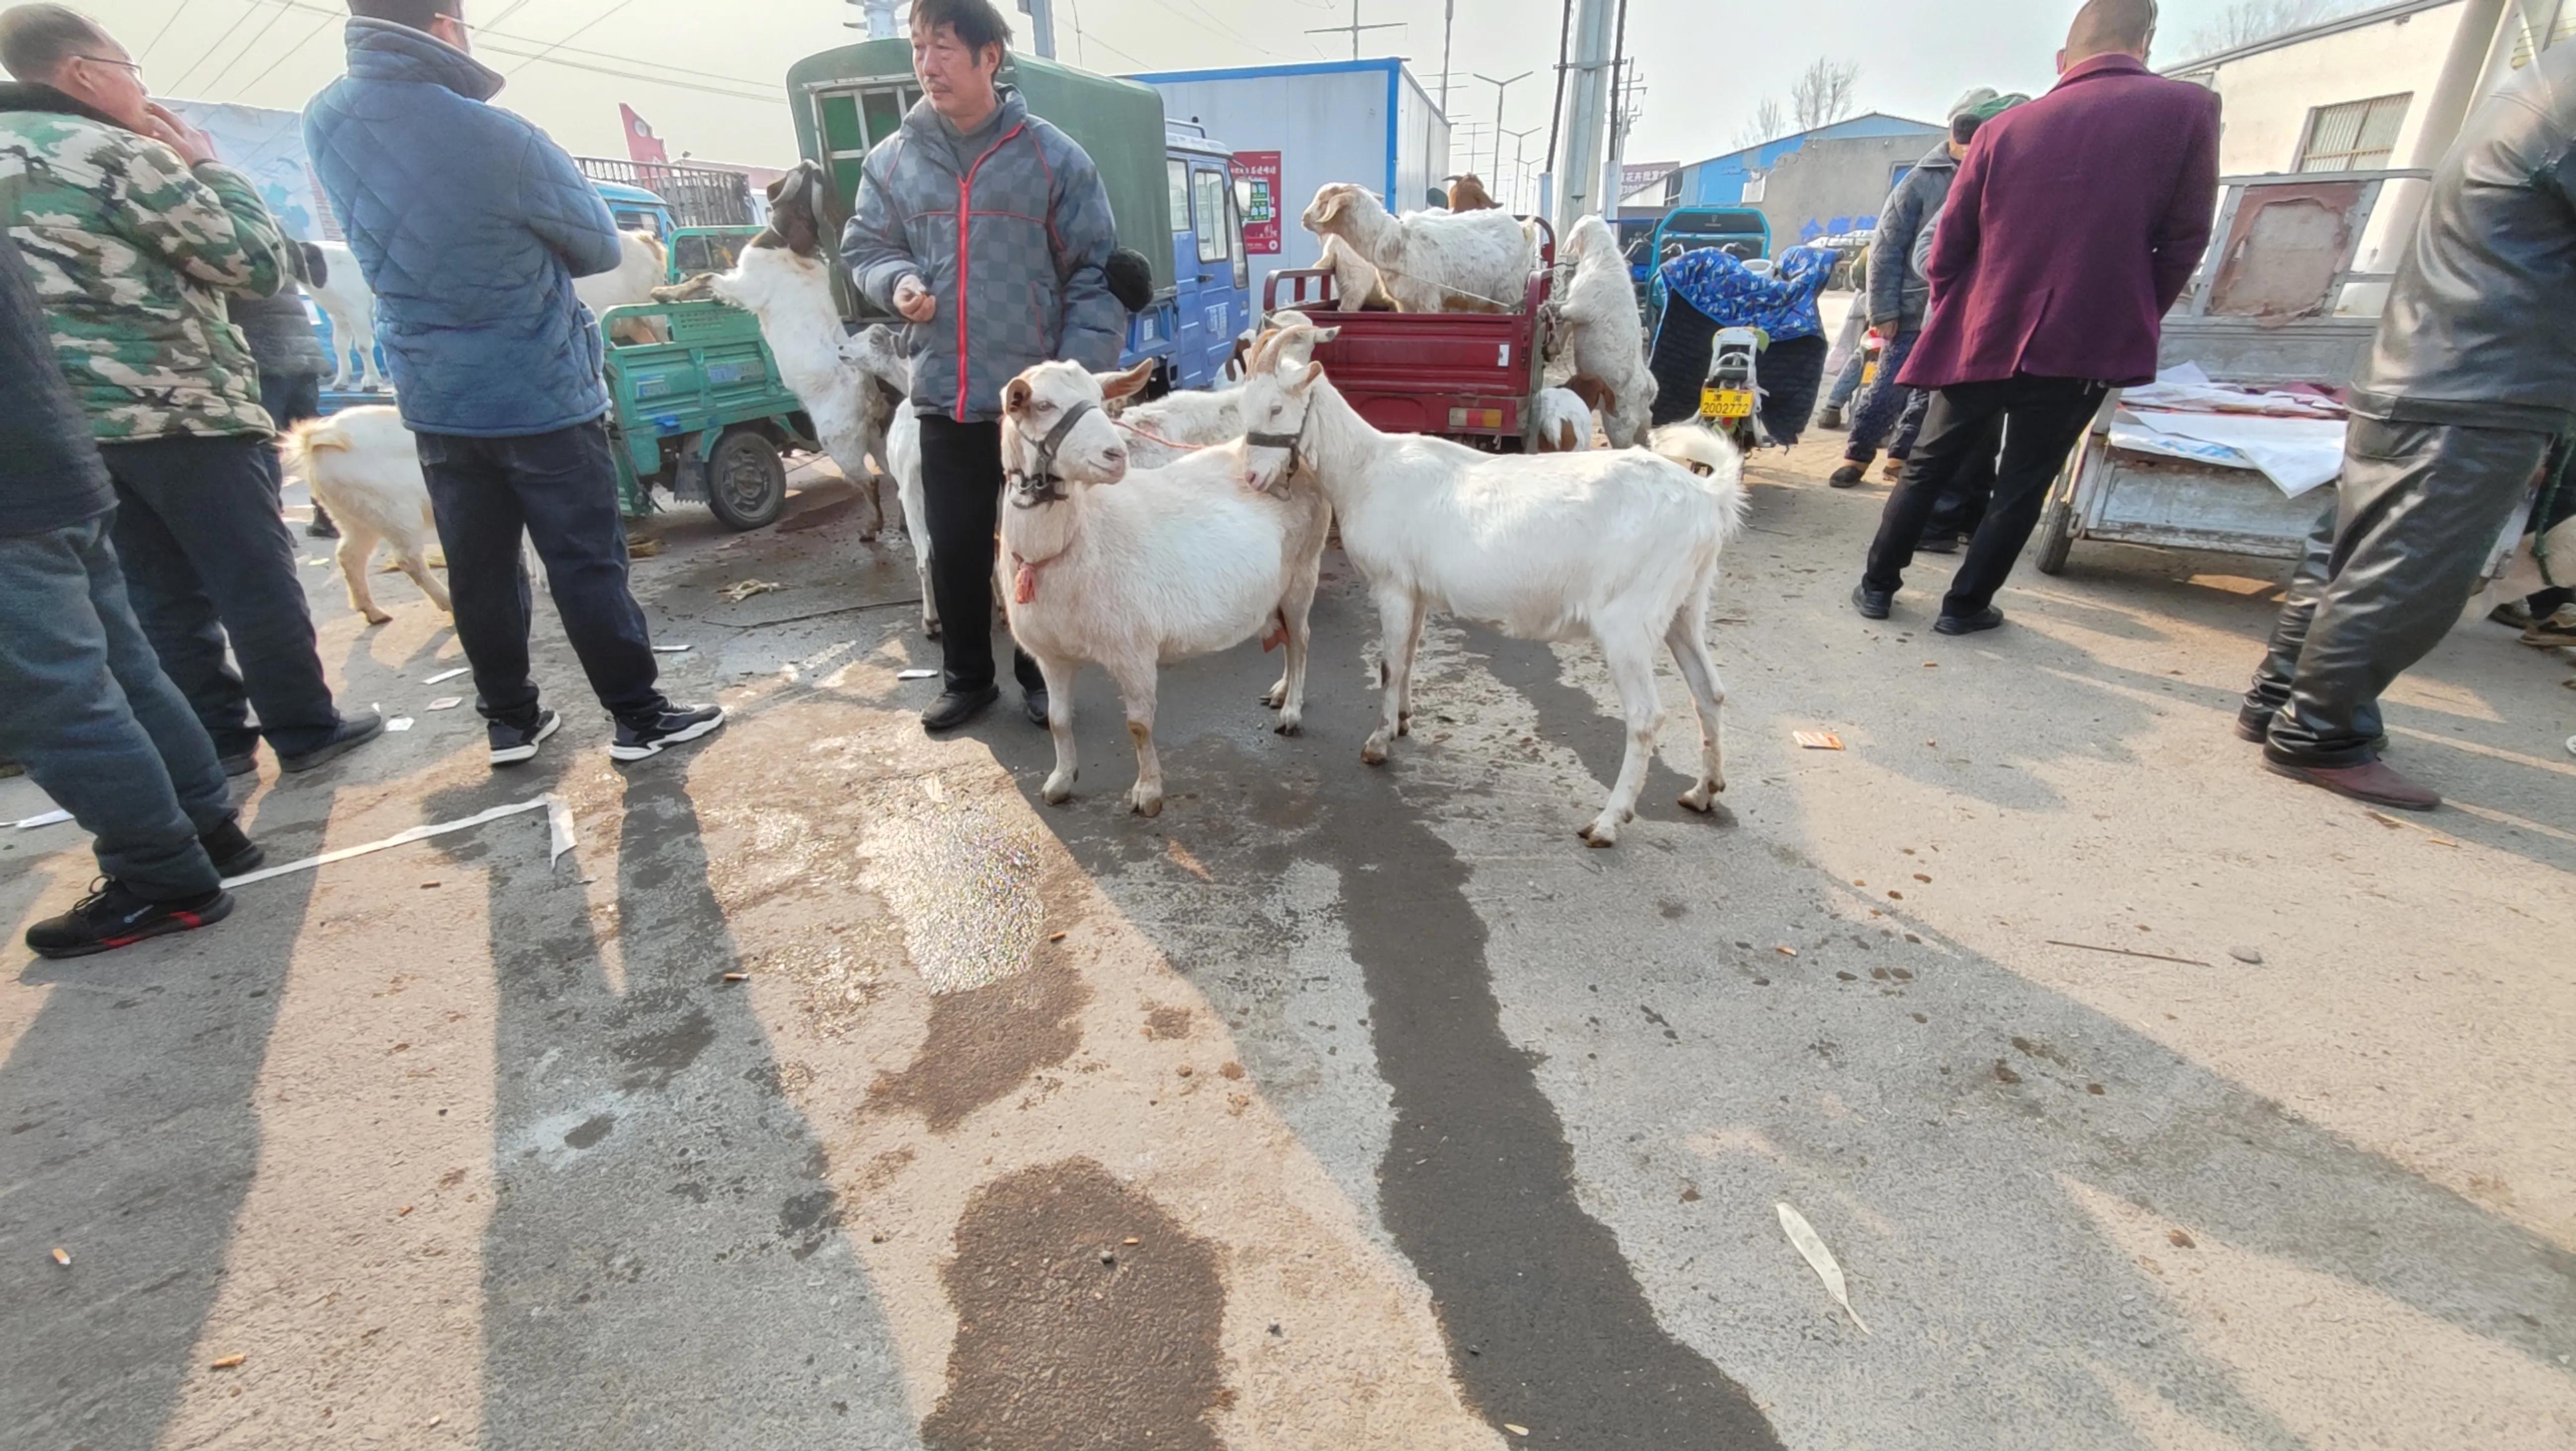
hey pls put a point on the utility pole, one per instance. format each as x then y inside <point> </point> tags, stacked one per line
<point>1520,161</point>
<point>1355,28</point>
<point>876,17</point>
<point>1587,110</point>
<point>1041,14</point>
<point>1500,87</point>
<point>1448,26</point>
<point>1618,119</point>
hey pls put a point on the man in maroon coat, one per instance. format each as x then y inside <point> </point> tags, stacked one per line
<point>2075,223</point>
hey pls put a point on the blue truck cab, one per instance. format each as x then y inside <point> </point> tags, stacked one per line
<point>1210,305</point>
<point>637,210</point>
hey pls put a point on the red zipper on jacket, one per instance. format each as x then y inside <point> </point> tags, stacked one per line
<point>965,227</point>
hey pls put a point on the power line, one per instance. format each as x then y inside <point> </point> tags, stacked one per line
<point>210,51</point>
<point>243,54</point>
<point>283,56</point>
<point>1354,28</point>
<point>487,34</point>
<point>154,43</point>
<point>584,30</point>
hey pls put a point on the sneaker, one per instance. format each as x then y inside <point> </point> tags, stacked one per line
<point>1938,544</point>
<point>1848,476</point>
<point>1872,603</point>
<point>241,765</point>
<point>231,850</point>
<point>2550,633</point>
<point>956,707</point>
<point>356,729</point>
<point>675,724</point>
<point>513,744</point>
<point>1986,619</point>
<point>111,917</point>
<point>321,527</point>
<point>1831,418</point>
<point>1036,702</point>
<point>2512,614</point>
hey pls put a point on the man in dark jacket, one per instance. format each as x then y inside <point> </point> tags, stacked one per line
<point>1024,284</point>
<point>2472,375</point>
<point>1898,295</point>
<point>470,225</point>
<point>136,233</point>
<point>2075,222</point>
<point>291,362</point>
<point>83,702</point>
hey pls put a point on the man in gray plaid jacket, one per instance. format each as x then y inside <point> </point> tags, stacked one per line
<point>987,229</point>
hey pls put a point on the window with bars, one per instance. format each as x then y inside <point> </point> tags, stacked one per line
<point>2527,44</point>
<point>2354,136</point>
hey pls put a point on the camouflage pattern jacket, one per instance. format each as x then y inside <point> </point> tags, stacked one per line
<point>132,252</point>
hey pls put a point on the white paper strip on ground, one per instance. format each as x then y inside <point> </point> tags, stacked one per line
<point>558,829</point>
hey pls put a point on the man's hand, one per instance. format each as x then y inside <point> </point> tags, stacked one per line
<point>195,147</point>
<point>914,301</point>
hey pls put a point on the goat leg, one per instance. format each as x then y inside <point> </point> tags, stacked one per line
<point>1632,670</point>
<point>1399,630</point>
<point>1137,684</point>
<point>1068,765</point>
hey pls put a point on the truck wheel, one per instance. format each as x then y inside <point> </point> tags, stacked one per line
<point>746,481</point>
<point>2057,526</point>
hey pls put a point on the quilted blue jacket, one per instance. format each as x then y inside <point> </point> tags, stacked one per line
<point>470,225</point>
<point>1010,228</point>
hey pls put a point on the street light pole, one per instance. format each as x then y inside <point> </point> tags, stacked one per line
<point>1448,25</point>
<point>1501,87</point>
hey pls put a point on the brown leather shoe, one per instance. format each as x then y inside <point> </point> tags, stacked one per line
<point>2371,781</point>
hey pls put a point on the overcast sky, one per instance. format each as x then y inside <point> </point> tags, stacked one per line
<point>706,73</point>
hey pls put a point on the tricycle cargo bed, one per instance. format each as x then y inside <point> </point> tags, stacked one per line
<point>1467,375</point>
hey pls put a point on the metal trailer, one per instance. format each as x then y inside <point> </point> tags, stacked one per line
<point>2260,312</point>
<point>1463,375</point>
<point>1159,180</point>
<point>1368,122</point>
<point>693,196</point>
<point>703,415</point>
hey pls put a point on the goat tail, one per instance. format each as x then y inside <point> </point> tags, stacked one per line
<point>1715,461</point>
<point>304,440</point>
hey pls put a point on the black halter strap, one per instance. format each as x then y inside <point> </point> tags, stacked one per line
<point>1295,443</point>
<point>1046,486</point>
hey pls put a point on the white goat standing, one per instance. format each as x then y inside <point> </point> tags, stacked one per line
<point>1357,287</point>
<point>1476,261</point>
<point>1186,420</point>
<point>1128,568</point>
<point>784,278</point>
<point>1600,334</point>
<point>1622,545</point>
<point>903,460</point>
<point>362,465</point>
<point>350,304</point>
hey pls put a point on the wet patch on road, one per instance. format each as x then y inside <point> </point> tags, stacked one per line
<point>985,1042</point>
<point>1088,1320</point>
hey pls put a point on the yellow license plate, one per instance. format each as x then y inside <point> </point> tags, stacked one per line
<point>1725,403</point>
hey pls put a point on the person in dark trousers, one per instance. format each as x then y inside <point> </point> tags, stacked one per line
<point>2471,377</point>
<point>136,234</point>
<point>470,225</point>
<point>83,702</point>
<point>2075,222</point>
<point>291,362</point>
<point>1898,294</point>
<point>989,231</point>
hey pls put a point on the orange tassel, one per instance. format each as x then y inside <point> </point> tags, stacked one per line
<point>1024,583</point>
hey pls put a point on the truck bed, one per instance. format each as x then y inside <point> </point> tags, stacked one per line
<point>1464,375</point>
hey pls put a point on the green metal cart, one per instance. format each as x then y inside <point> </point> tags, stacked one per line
<point>703,416</point>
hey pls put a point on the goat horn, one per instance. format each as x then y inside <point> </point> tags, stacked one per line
<point>1262,349</point>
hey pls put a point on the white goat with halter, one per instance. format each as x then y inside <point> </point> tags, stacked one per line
<point>1128,568</point>
<point>784,278</point>
<point>1476,261</point>
<point>1186,420</point>
<point>1622,545</point>
<point>1599,334</point>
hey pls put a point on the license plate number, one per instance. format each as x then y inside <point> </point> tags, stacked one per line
<point>1725,403</point>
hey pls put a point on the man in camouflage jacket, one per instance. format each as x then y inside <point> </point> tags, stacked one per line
<point>134,233</point>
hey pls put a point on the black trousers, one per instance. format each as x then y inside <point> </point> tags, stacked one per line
<point>560,490</point>
<point>2385,575</point>
<point>290,398</point>
<point>208,563</point>
<point>2042,419</point>
<point>961,491</point>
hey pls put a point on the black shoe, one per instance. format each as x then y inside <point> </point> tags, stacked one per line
<point>231,850</point>
<point>513,744</point>
<point>2253,725</point>
<point>356,729</point>
<point>241,765</point>
<point>1938,544</point>
<point>1036,702</point>
<point>675,724</point>
<point>1849,476</point>
<point>1831,418</point>
<point>1872,603</point>
<point>1985,619</point>
<point>955,708</point>
<point>321,527</point>
<point>112,917</point>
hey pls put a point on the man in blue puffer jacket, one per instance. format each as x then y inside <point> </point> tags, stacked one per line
<point>470,225</point>
<point>1018,280</point>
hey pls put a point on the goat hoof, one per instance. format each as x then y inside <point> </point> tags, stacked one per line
<point>1288,727</point>
<point>1057,792</point>
<point>1701,798</point>
<point>1404,724</point>
<point>1373,753</point>
<point>1146,805</point>
<point>379,617</point>
<point>1599,835</point>
<point>930,628</point>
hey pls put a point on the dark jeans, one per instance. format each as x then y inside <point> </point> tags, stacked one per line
<point>1882,403</point>
<point>2384,576</point>
<point>1962,506</point>
<point>208,560</point>
<point>2042,419</point>
<point>290,398</point>
<point>560,490</point>
<point>85,707</point>
<point>961,491</point>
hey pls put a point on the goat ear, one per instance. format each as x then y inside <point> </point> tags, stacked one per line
<point>1129,383</point>
<point>1301,376</point>
<point>1326,334</point>
<point>1015,396</point>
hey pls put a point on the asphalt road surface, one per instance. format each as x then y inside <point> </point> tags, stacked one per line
<point>833,1091</point>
